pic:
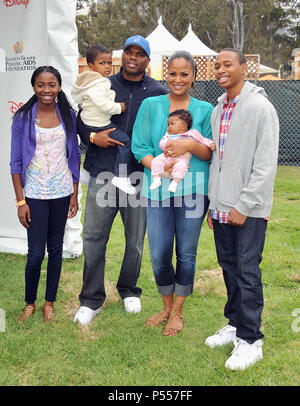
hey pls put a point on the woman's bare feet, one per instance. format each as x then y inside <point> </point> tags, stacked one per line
<point>157,319</point>
<point>175,323</point>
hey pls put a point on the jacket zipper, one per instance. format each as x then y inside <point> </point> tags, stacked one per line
<point>129,110</point>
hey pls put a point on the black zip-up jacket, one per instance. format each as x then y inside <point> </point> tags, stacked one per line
<point>132,94</point>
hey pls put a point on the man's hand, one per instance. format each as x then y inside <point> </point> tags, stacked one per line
<point>235,218</point>
<point>103,140</point>
<point>123,107</point>
<point>210,220</point>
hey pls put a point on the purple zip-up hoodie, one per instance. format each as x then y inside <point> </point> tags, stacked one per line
<point>23,146</point>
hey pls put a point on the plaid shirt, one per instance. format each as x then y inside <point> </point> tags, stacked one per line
<point>228,108</point>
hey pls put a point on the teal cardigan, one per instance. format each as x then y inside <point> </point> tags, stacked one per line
<point>151,125</point>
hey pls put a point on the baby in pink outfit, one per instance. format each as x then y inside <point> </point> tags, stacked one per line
<point>179,127</point>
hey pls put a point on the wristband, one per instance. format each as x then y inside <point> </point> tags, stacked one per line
<point>21,203</point>
<point>92,135</point>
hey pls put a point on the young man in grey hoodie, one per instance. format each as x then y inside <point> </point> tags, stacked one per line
<point>245,129</point>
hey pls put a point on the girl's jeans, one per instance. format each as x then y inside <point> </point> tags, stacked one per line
<point>46,230</point>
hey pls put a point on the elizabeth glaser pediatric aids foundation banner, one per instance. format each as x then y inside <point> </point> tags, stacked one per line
<point>33,33</point>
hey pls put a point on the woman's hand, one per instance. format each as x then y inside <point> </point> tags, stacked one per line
<point>146,161</point>
<point>24,215</point>
<point>23,210</point>
<point>168,169</point>
<point>73,206</point>
<point>176,148</point>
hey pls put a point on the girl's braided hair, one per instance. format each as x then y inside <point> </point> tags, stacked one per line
<point>63,103</point>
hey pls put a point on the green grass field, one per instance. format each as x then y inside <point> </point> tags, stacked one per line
<point>117,350</point>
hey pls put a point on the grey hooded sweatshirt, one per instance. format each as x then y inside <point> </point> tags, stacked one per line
<point>244,178</point>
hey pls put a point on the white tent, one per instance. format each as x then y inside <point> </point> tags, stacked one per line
<point>162,41</point>
<point>266,69</point>
<point>194,45</point>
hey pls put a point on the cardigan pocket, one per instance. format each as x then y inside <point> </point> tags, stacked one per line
<point>230,184</point>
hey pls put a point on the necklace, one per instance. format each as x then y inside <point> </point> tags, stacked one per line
<point>181,104</point>
<point>44,144</point>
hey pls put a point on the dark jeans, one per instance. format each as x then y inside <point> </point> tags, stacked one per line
<point>97,226</point>
<point>124,154</point>
<point>47,227</point>
<point>179,221</point>
<point>239,251</point>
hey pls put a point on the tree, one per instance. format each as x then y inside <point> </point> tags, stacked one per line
<point>267,24</point>
<point>237,30</point>
<point>265,27</point>
<point>80,4</point>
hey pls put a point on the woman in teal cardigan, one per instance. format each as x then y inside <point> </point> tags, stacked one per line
<point>176,216</point>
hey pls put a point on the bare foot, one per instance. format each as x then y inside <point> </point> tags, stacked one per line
<point>175,323</point>
<point>157,319</point>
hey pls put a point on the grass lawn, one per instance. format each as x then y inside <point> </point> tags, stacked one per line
<point>116,349</point>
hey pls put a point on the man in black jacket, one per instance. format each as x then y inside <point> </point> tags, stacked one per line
<point>132,86</point>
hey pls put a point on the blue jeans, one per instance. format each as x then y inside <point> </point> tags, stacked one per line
<point>239,251</point>
<point>98,222</point>
<point>47,227</point>
<point>179,219</point>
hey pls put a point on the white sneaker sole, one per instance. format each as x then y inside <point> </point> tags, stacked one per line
<point>213,344</point>
<point>133,307</point>
<point>130,190</point>
<point>234,366</point>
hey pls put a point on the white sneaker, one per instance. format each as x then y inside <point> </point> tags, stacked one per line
<point>224,336</point>
<point>124,184</point>
<point>244,354</point>
<point>155,184</point>
<point>132,304</point>
<point>173,186</point>
<point>85,315</point>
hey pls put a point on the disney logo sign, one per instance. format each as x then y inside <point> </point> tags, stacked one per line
<point>10,3</point>
<point>13,107</point>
